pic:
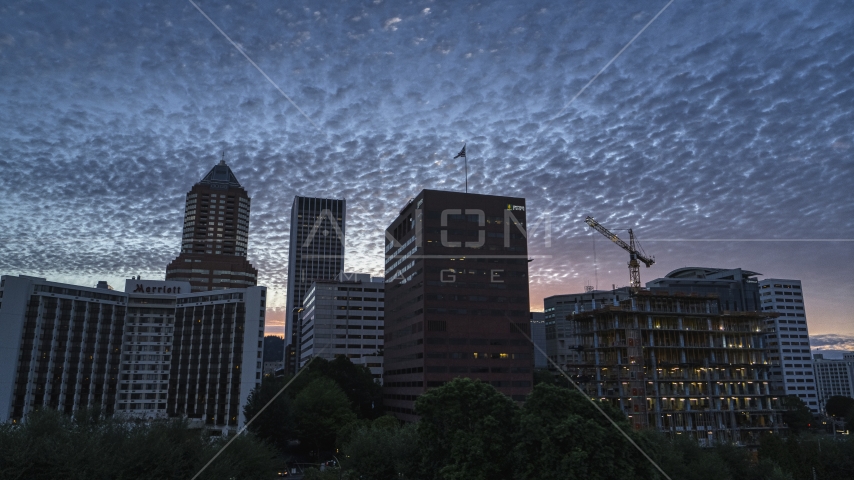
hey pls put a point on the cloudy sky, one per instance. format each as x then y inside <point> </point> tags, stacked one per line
<point>722,134</point>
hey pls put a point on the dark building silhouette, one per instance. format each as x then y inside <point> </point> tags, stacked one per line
<point>737,290</point>
<point>216,235</point>
<point>315,252</point>
<point>216,357</point>
<point>457,301</point>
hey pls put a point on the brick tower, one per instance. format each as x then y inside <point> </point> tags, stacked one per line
<point>216,235</point>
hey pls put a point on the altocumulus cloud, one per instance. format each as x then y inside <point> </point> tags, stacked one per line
<point>832,345</point>
<point>724,120</point>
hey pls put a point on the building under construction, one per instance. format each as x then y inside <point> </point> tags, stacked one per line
<point>675,363</point>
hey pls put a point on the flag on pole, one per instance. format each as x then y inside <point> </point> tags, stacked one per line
<point>462,152</point>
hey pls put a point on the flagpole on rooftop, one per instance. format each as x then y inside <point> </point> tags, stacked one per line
<point>463,154</point>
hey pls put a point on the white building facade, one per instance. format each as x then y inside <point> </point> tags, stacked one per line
<point>270,368</point>
<point>345,317</point>
<point>147,346</point>
<point>154,351</point>
<point>60,346</point>
<point>787,337</point>
<point>834,377</point>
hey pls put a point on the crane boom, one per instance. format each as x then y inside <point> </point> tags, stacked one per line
<point>634,254</point>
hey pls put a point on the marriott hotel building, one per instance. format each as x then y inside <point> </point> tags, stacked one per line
<point>156,350</point>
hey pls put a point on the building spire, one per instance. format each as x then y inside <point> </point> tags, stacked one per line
<point>221,174</point>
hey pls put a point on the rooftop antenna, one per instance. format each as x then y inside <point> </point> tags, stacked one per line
<point>222,162</point>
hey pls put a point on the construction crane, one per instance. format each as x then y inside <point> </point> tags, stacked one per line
<point>635,252</point>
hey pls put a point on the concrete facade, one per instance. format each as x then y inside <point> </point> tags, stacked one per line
<point>736,289</point>
<point>270,368</point>
<point>834,377</point>
<point>561,342</point>
<point>147,346</point>
<point>60,347</point>
<point>344,317</point>
<point>787,336</point>
<point>217,356</point>
<point>154,351</point>
<point>676,363</point>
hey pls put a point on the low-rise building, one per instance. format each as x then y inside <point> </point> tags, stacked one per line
<point>538,338</point>
<point>344,317</point>
<point>270,368</point>
<point>834,377</point>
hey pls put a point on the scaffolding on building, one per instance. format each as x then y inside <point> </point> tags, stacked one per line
<point>675,363</point>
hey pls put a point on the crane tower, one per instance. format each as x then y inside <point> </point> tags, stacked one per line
<point>635,252</point>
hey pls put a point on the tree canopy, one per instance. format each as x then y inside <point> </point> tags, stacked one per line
<point>277,423</point>
<point>839,406</point>
<point>51,445</point>
<point>797,415</point>
<point>363,392</point>
<point>562,435</point>
<point>467,431</point>
<point>382,450</point>
<point>322,410</point>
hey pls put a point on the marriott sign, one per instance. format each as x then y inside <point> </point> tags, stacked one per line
<point>156,287</point>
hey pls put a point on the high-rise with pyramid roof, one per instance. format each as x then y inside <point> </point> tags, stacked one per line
<point>216,235</point>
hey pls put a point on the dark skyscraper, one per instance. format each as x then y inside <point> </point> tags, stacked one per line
<point>315,252</point>
<point>216,235</point>
<point>456,297</point>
